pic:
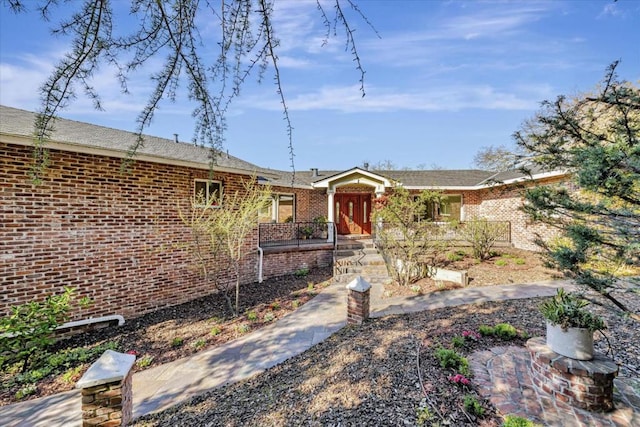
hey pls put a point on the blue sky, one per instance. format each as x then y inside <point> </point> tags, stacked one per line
<point>444,79</point>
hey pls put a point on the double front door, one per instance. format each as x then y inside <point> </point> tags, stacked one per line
<point>353,213</point>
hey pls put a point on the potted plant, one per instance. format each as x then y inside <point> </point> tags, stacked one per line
<point>306,232</point>
<point>570,326</point>
<point>320,223</point>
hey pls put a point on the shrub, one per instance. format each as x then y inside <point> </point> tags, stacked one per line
<point>177,342</point>
<point>243,328</point>
<point>144,361</point>
<point>505,331</point>
<point>454,256</point>
<point>486,330</point>
<point>519,261</point>
<point>29,328</point>
<point>481,235</point>
<point>301,272</point>
<point>215,330</point>
<point>423,415</point>
<point>516,421</point>
<point>252,316</point>
<point>501,262</point>
<point>457,341</point>
<point>25,391</point>
<point>450,359</point>
<point>199,344</point>
<point>268,317</point>
<point>472,406</point>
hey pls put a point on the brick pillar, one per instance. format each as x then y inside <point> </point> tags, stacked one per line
<point>586,384</point>
<point>107,392</point>
<point>358,301</point>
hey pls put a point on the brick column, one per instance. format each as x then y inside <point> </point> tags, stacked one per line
<point>358,301</point>
<point>586,384</point>
<point>107,392</point>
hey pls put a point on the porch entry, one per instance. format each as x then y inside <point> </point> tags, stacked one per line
<point>353,213</point>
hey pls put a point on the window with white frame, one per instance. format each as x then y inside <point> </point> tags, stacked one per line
<point>208,192</point>
<point>281,209</point>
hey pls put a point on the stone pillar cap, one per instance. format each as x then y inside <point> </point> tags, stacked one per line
<point>109,368</point>
<point>359,285</point>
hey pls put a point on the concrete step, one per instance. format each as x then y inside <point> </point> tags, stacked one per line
<point>359,261</point>
<point>378,270</point>
<point>352,252</point>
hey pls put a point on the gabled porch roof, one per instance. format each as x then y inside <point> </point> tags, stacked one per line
<point>355,176</point>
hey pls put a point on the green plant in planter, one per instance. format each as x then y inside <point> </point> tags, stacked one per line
<point>568,311</point>
<point>306,232</point>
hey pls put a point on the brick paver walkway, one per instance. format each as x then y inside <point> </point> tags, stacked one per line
<point>502,375</point>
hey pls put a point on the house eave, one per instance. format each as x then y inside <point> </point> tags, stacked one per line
<point>121,154</point>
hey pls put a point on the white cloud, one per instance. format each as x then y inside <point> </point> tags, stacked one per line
<point>347,99</point>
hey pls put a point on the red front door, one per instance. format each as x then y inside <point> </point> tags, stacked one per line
<point>353,213</point>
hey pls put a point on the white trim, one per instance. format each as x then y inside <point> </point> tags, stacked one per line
<point>369,178</point>
<point>207,196</point>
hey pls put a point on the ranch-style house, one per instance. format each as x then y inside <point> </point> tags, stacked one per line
<point>116,236</point>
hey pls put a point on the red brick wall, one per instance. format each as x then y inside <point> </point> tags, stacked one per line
<point>114,237</point>
<point>309,203</point>
<point>503,204</point>
<point>278,262</point>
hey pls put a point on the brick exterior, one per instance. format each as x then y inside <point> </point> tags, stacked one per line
<point>281,261</point>
<point>309,203</point>
<point>117,238</point>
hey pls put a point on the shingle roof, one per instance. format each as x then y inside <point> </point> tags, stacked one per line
<point>18,122</point>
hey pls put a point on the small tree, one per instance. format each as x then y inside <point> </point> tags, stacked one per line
<point>481,235</point>
<point>219,235</point>
<point>409,240</point>
<point>597,139</point>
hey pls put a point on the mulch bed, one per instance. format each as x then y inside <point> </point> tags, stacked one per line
<point>384,371</point>
<point>196,325</point>
<point>506,266</point>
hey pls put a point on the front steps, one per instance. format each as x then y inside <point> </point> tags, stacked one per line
<point>359,257</point>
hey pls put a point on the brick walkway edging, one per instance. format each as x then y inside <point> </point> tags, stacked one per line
<point>503,377</point>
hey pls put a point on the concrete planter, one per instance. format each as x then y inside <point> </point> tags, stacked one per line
<point>575,343</point>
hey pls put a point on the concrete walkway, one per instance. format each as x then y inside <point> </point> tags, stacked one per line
<point>163,386</point>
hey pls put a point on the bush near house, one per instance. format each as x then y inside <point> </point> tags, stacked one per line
<point>29,328</point>
<point>409,242</point>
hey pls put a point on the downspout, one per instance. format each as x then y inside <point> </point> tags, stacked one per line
<point>260,251</point>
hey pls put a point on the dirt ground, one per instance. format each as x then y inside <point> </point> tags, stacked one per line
<point>506,266</point>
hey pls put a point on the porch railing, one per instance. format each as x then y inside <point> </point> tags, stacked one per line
<point>294,233</point>
<point>454,231</point>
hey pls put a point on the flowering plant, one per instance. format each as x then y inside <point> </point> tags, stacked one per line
<point>460,379</point>
<point>471,335</point>
<point>135,353</point>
